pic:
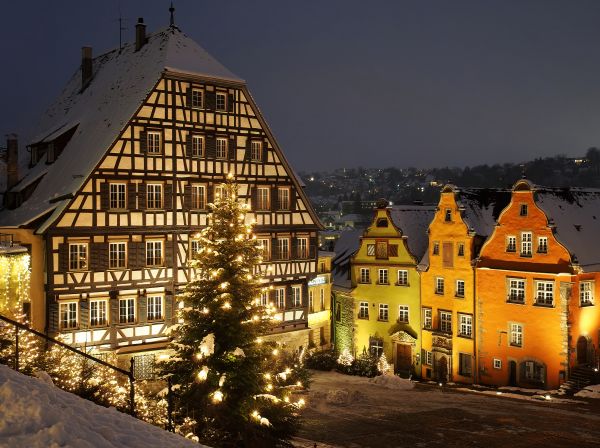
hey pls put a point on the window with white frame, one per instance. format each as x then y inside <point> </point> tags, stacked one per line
<point>466,325</point>
<point>78,256</point>
<point>311,301</point>
<point>68,315</point>
<point>154,196</point>
<point>296,296</point>
<point>544,292</point>
<point>383,312</point>
<point>586,293</point>
<point>363,310</point>
<point>376,347</point>
<point>402,277</point>
<point>264,246</point>
<point>283,198</point>
<point>155,307</point>
<point>198,196</point>
<point>221,101</point>
<point>460,288</point>
<point>221,152</point>
<point>403,313</point>
<point>220,192</point>
<point>382,277</point>
<point>511,243</point>
<point>365,275</point>
<point>428,358</point>
<point>439,285</point>
<point>117,255</point>
<point>127,310</point>
<point>516,290</point>
<point>497,363</point>
<point>302,247</point>
<point>153,139</point>
<point>154,253</point>
<point>264,298</point>
<point>427,319</point>
<point>542,247</point>
<point>194,247</point>
<point>98,313</point>
<point>262,198</point>
<point>283,248</point>
<point>255,150</point>
<point>280,298</point>
<point>322,297</point>
<point>197,99</point>
<point>116,195</point>
<point>526,244</point>
<point>197,146</point>
<point>516,335</point>
<point>445,321</point>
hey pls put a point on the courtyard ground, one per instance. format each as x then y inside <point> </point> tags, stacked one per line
<point>350,411</point>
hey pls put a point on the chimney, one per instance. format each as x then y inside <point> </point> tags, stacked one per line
<point>12,161</point>
<point>86,66</point>
<point>140,34</point>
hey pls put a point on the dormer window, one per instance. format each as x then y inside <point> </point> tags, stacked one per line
<point>523,210</point>
<point>448,215</point>
<point>382,222</point>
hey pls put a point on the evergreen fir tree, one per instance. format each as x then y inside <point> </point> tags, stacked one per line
<point>226,378</point>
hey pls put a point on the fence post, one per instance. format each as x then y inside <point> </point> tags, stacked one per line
<point>16,348</point>
<point>170,405</point>
<point>131,387</point>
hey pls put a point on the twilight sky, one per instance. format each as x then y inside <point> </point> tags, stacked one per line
<point>347,83</point>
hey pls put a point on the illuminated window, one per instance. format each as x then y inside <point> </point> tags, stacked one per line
<point>255,151</point>
<point>511,243</point>
<point>154,196</point>
<point>264,298</point>
<point>153,142</point>
<point>376,347</point>
<point>98,314</point>
<point>466,325</point>
<point>78,256</point>
<point>221,101</point>
<point>198,196</point>
<point>302,247</point>
<point>296,296</point>
<point>283,198</point>
<point>460,288</point>
<point>117,255</point>
<point>383,277</point>
<point>116,194</point>
<point>68,315</point>
<point>445,322</point>
<point>283,248</point>
<point>439,285</point>
<point>127,310</point>
<point>403,313</point>
<point>526,244</point>
<point>221,152</point>
<point>383,312</point>
<point>154,253</point>
<point>363,310</point>
<point>155,307</point>
<point>544,293</point>
<point>264,244</point>
<point>402,277</point>
<point>586,293</point>
<point>220,192</point>
<point>516,290</point>
<point>436,248</point>
<point>497,363</point>
<point>427,319</point>
<point>262,198</point>
<point>280,298</point>
<point>428,358</point>
<point>197,146</point>
<point>542,245</point>
<point>194,247</point>
<point>516,335</point>
<point>365,275</point>
<point>197,99</point>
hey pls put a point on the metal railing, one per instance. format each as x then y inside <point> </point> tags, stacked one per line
<point>22,327</point>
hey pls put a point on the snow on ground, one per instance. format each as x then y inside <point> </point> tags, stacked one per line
<point>392,382</point>
<point>589,392</point>
<point>35,414</point>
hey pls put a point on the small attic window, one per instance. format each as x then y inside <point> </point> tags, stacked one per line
<point>448,215</point>
<point>523,210</point>
<point>382,222</point>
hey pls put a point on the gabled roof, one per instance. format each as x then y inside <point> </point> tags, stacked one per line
<point>575,213</point>
<point>345,246</point>
<point>413,221</point>
<point>120,84</point>
<point>481,207</point>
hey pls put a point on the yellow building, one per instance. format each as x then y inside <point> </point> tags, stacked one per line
<point>384,292</point>
<point>319,303</point>
<point>464,218</point>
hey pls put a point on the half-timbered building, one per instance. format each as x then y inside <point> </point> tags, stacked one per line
<point>122,173</point>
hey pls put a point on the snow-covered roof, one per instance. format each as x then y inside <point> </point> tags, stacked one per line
<point>120,84</point>
<point>414,221</point>
<point>345,246</point>
<point>482,206</point>
<point>575,213</point>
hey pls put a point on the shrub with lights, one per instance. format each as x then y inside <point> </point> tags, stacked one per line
<point>231,386</point>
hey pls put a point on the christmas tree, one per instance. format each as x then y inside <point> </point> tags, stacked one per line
<point>227,380</point>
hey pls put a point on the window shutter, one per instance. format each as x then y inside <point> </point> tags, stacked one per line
<point>230,103</point>
<point>141,196</point>
<point>143,141</point>
<point>131,196</point>
<point>102,255</point>
<point>253,196</point>
<point>141,255</point>
<point>188,144</point>
<point>169,254</point>
<point>94,257</point>
<point>313,245</point>
<point>294,248</point>
<point>104,196</point>
<point>232,148</point>
<point>274,199</point>
<point>63,257</point>
<point>168,308</point>
<point>187,197</point>
<point>304,298</point>
<point>265,148</point>
<point>168,196</point>
<point>393,250</point>
<point>211,100</point>
<point>274,250</point>
<point>142,309</point>
<point>113,304</point>
<point>84,314</point>
<point>53,316</point>
<point>288,296</point>
<point>247,153</point>
<point>188,96</point>
<point>211,147</point>
<point>447,255</point>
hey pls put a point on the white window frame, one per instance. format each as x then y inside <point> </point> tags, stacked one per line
<point>465,325</point>
<point>283,248</point>
<point>403,313</point>
<point>221,148</point>
<point>526,244</point>
<point>98,312</point>
<point>263,200</point>
<point>376,347</point>
<point>154,196</point>
<point>382,277</point>
<point>155,254</point>
<point>198,145</point>
<point>78,256</point>
<point>542,245</point>
<point>155,307</point>
<point>264,245</point>
<point>544,292</point>
<point>194,247</point>
<point>296,296</point>
<point>402,277</point>
<point>586,293</point>
<point>460,288</point>
<point>497,364</point>
<point>220,192</point>
<point>428,358</point>
<point>117,255</point>
<point>68,314</point>
<point>264,298</point>
<point>446,322</point>
<point>154,142</point>
<point>221,101</point>
<point>127,304</point>
<point>515,334</point>
<point>365,275</point>
<point>383,314</point>
<point>199,196</point>
<point>516,290</point>
<point>117,195</point>
<point>280,298</point>
<point>363,310</point>
<point>427,318</point>
<point>511,243</point>
<point>283,198</point>
<point>255,150</point>
<point>439,285</point>
<point>302,247</point>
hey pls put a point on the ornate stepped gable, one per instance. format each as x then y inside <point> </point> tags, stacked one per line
<point>134,156</point>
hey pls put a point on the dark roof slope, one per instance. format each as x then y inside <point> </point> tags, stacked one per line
<point>413,221</point>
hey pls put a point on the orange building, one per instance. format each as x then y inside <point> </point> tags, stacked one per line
<point>535,288</point>
<point>464,218</point>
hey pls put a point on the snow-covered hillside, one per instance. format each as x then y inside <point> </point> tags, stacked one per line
<point>35,414</point>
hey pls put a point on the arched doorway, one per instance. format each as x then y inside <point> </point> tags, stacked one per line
<point>442,370</point>
<point>582,350</point>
